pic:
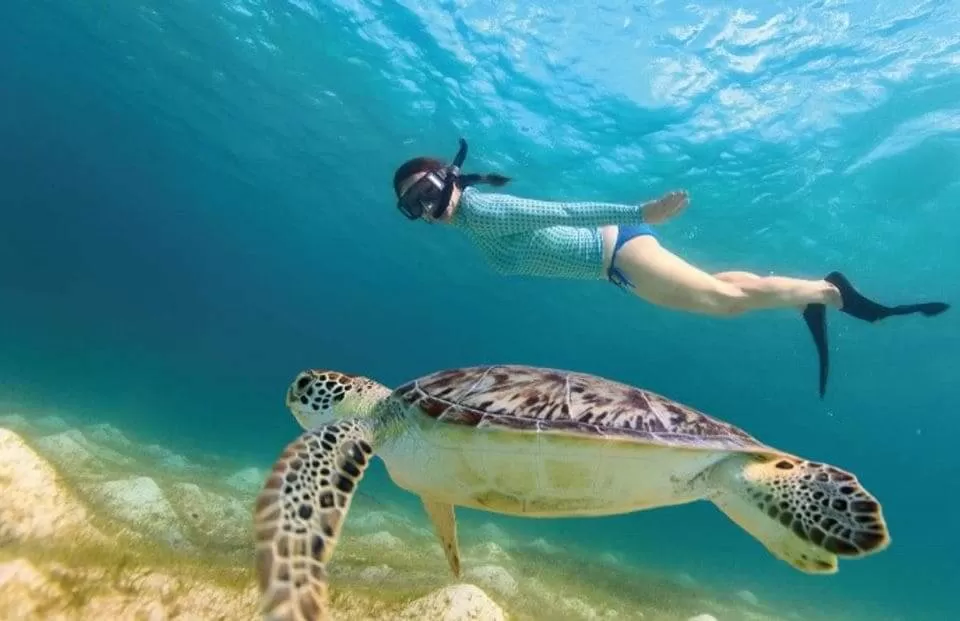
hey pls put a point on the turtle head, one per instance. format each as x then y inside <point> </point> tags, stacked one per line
<point>317,397</point>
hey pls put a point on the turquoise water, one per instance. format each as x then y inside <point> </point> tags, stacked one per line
<point>195,204</point>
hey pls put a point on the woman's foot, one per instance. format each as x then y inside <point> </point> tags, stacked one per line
<point>857,305</point>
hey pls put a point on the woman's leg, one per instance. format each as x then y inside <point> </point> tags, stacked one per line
<point>663,278</point>
<point>747,281</point>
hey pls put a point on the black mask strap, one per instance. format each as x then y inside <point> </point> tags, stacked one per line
<point>450,180</point>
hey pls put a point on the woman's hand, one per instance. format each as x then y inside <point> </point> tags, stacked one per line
<point>664,208</point>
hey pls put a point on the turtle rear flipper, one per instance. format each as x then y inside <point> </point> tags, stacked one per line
<point>804,513</point>
<point>444,520</point>
<point>299,515</point>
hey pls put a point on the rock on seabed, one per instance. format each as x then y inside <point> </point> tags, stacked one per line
<point>34,503</point>
<point>460,602</point>
<point>140,502</point>
<point>55,565</point>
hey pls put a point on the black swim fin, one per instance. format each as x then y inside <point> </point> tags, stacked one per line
<point>815,315</point>
<point>857,305</point>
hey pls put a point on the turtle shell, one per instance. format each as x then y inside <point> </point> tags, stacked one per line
<point>531,399</point>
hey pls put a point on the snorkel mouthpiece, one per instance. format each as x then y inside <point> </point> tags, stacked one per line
<point>450,180</point>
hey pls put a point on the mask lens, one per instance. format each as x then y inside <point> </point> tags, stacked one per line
<point>421,197</point>
<point>410,207</point>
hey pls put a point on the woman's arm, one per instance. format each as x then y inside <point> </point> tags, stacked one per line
<point>502,214</point>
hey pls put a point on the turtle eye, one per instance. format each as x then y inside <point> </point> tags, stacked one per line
<point>303,381</point>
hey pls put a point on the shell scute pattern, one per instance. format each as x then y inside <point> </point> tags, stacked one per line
<point>525,398</point>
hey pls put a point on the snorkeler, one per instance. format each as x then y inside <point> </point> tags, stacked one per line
<point>591,240</point>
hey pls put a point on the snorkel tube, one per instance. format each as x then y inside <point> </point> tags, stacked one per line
<point>451,176</point>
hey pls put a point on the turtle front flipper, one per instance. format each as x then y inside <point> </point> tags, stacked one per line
<point>299,515</point>
<point>445,525</point>
<point>804,513</point>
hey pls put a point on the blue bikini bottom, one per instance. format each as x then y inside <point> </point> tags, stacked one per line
<point>625,234</point>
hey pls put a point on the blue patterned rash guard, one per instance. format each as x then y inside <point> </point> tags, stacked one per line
<point>520,236</point>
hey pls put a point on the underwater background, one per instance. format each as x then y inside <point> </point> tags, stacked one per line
<point>196,203</point>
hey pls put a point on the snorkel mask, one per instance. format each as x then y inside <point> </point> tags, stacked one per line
<point>431,193</point>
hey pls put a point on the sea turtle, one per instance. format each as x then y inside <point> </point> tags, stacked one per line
<point>533,442</point>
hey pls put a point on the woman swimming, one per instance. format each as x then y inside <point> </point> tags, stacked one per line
<point>591,240</point>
